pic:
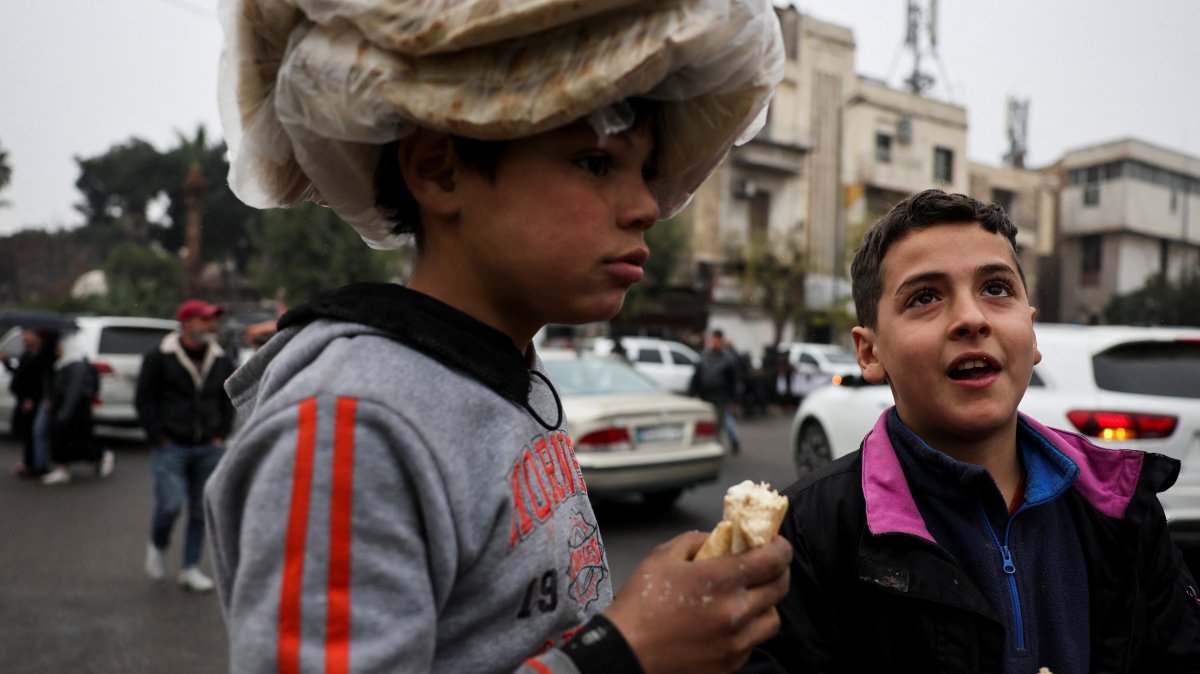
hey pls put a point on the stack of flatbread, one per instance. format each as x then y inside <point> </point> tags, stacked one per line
<point>310,90</point>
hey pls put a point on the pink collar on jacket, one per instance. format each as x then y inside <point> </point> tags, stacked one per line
<point>1107,478</point>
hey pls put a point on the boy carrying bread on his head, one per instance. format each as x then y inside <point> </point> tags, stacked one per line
<point>403,495</point>
<point>964,536</point>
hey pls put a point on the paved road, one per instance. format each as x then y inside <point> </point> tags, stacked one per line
<point>73,597</point>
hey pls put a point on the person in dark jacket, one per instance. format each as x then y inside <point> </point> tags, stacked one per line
<point>964,536</point>
<point>30,377</point>
<point>717,380</point>
<point>182,406</point>
<point>74,389</point>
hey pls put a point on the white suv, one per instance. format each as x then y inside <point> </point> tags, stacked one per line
<point>115,345</point>
<point>815,365</point>
<point>669,364</point>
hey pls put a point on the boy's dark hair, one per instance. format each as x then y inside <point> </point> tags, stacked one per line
<point>921,210</point>
<point>391,192</point>
<point>483,156</point>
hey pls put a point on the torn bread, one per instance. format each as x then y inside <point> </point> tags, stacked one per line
<point>753,513</point>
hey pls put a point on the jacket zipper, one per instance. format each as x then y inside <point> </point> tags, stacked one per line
<point>1010,570</point>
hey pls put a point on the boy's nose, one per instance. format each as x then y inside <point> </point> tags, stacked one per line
<point>969,319</point>
<point>640,209</point>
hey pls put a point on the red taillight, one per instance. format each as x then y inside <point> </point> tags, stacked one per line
<point>1123,425</point>
<point>102,367</point>
<point>605,440</point>
<point>706,431</point>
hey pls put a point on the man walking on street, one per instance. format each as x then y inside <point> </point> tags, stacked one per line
<point>181,403</point>
<point>717,380</point>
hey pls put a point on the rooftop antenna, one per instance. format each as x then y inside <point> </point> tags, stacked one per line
<point>1018,130</point>
<point>921,39</point>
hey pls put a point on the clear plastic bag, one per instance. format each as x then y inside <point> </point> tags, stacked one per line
<point>312,89</point>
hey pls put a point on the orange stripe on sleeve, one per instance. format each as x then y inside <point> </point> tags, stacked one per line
<point>293,556</point>
<point>337,625</point>
<point>538,667</point>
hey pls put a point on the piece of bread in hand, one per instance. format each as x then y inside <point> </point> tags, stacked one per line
<point>753,513</point>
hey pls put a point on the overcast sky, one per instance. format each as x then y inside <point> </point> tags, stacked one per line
<point>80,76</point>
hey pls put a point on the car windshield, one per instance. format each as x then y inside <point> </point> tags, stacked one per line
<point>1151,368</point>
<point>840,358</point>
<point>594,376</point>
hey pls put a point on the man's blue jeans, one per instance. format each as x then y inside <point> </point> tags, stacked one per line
<point>42,423</point>
<point>180,471</point>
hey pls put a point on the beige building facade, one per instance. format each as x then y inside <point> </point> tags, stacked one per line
<point>1128,210</point>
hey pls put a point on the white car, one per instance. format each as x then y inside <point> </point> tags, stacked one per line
<point>629,435</point>
<point>815,365</point>
<point>115,345</point>
<point>669,364</point>
<point>1130,387</point>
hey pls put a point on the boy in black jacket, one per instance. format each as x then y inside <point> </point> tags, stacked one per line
<point>964,536</point>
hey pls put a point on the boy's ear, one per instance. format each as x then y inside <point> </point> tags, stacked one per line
<point>1037,355</point>
<point>864,352</point>
<point>428,163</point>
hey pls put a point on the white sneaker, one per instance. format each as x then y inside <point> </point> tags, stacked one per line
<point>57,476</point>
<point>193,579</point>
<point>154,562</point>
<point>107,461</point>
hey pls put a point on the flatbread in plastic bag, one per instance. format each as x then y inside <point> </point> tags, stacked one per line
<point>311,90</point>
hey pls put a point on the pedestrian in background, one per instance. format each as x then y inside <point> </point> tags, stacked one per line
<point>181,403</point>
<point>718,381</point>
<point>30,375</point>
<point>73,390</point>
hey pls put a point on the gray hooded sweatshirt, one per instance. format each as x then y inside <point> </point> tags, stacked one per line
<point>403,497</point>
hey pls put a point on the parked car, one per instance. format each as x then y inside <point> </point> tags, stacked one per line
<point>669,364</point>
<point>1130,387</point>
<point>815,365</point>
<point>115,345</point>
<point>630,436</point>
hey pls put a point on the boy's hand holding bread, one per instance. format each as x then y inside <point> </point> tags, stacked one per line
<point>681,616</point>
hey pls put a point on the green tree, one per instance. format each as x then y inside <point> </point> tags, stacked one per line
<point>306,250</point>
<point>5,174</point>
<point>773,273</point>
<point>118,186</point>
<point>667,241</point>
<point>1159,302</point>
<point>142,281</point>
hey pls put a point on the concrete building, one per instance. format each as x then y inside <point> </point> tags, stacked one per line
<point>780,191</point>
<point>1030,197</point>
<point>1128,210</point>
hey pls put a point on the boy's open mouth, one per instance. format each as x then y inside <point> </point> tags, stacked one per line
<point>972,368</point>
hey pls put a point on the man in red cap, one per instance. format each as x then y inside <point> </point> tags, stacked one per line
<point>181,403</point>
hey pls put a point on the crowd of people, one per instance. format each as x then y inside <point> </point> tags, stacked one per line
<point>54,392</point>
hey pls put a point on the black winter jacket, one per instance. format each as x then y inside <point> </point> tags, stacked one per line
<point>871,592</point>
<point>178,403</point>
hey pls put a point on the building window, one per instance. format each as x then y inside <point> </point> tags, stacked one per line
<point>883,148</point>
<point>1091,249</point>
<point>1174,201</point>
<point>1091,194</point>
<point>943,165</point>
<point>1005,199</point>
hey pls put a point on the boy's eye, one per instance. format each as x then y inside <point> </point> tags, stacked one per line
<point>596,164</point>
<point>922,297</point>
<point>997,289</point>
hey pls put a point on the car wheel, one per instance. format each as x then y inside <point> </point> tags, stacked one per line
<point>662,500</point>
<point>812,448</point>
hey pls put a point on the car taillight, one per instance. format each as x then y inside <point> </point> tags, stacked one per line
<point>102,367</point>
<point>706,431</point>
<point>836,380</point>
<point>1122,425</point>
<point>605,440</point>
